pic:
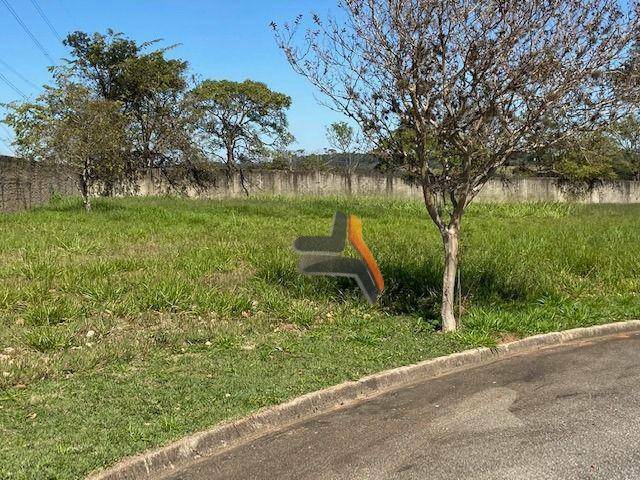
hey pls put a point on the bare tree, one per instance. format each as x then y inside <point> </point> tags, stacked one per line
<point>451,90</point>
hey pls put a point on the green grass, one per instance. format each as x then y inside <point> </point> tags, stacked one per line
<point>149,319</point>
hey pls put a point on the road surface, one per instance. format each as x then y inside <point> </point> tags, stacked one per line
<point>566,413</point>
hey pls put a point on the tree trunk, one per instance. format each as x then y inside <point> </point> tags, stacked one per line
<point>451,239</point>
<point>231,161</point>
<point>84,189</point>
<point>87,203</point>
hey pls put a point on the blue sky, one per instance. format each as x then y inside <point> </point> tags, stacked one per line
<point>221,39</point>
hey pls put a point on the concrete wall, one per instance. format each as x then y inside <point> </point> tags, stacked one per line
<point>269,182</point>
<point>374,184</point>
<point>24,184</point>
<point>548,190</point>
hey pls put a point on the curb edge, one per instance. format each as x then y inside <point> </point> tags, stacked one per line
<point>227,434</point>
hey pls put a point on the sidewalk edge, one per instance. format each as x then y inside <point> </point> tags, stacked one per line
<point>161,460</point>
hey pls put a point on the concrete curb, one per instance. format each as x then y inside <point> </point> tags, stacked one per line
<point>228,434</point>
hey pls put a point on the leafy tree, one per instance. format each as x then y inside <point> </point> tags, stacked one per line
<point>586,159</point>
<point>313,162</point>
<point>149,87</point>
<point>627,136</point>
<point>283,158</point>
<point>69,127</point>
<point>343,139</point>
<point>98,61</point>
<point>479,80</point>
<point>239,120</point>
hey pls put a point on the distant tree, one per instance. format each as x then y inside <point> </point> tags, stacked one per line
<point>585,159</point>
<point>314,162</point>
<point>480,81</point>
<point>283,158</point>
<point>149,87</point>
<point>626,133</point>
<point>240,120</point>
<point>343,139</point>
<point>69,127</point>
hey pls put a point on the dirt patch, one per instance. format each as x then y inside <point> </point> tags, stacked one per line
<point>508,338</point>
<point>230,279</point>
<point>287,327</point>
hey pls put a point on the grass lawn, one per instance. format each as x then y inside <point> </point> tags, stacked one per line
<point>152,318</point>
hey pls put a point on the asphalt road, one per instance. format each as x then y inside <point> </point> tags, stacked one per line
<point>566,413</point>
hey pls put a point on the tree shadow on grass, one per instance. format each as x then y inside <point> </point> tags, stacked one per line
<point>416,289</point>
<point>413,289</point>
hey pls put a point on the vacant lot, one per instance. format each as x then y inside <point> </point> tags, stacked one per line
<point>152,318</point>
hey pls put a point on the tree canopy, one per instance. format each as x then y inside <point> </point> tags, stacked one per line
<point>343,138</point>
<point>240,118</point>
<point>68,126</point>
<point>149,86</point>
<point>158,119</point>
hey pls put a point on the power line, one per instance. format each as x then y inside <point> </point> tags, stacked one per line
<point>46,19</point>
<point>28,32</point>
<point>7,139</point>
<point>12,86</point>
<point>17,74</point>
<point>70,15</point>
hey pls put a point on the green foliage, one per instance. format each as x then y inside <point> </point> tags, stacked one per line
<point>149,87</point>
<point>240,118</point>
<point>586,159</point>
<point>612,153</point>
<point>398,154</point>
<point>114,108</point>
<point>156,317</point>
<point>283,158</point>
<point>117,68</point>
<point>298,160</point>
<point>627,136</point>
<point>341,136</point>
<point>312,162</point>
<point>68,126</point>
